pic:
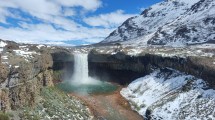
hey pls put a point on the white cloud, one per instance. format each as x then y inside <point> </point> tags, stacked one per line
<point>86,4</point>
<point>109,20</point>
<point>69,12</point>
<point>3,14</point>
<point>40,33</point>
<point>4,11</point>
<point>54,25</point>
<point>36,7</point>
<point>47,9</point>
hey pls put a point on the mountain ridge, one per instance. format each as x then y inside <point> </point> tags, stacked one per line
<point>171,22</point>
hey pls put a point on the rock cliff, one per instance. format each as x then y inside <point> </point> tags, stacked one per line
<point>124,68</point>
<point>27,77</point>
<point>24,71</point>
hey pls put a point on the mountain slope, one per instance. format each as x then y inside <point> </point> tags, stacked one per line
<point>169,22</point>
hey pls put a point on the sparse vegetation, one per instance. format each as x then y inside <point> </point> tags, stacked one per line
<point>56,104</point>
<point>4,116</point>
<point>57,75</point>
<point>135,106</point>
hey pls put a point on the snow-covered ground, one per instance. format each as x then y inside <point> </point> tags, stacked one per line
<point>168,94</point>
<point>25,53</point>
<point>203,50</point>
<point>2,45</point>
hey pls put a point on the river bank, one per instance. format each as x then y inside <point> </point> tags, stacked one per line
<point>109,106</point>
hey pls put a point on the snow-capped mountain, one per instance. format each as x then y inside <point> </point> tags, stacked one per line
<point>169,22</point>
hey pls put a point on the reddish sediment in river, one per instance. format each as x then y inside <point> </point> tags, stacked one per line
<point>110,106</point>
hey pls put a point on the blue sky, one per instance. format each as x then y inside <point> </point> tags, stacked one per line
<point>65,22</point>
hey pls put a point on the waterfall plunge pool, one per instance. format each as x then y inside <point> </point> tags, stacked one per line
<point>81,82</point>
<point>99,88</point>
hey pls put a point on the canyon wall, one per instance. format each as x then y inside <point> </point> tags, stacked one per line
<point>123,68</point>
<point>63,64</point>
<point>26,69</point>
<point>21,85</point>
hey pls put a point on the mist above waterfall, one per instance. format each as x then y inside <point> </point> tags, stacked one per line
<point>80,75</point>
<point>81,82</point>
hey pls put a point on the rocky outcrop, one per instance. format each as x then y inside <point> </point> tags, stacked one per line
<point>123,68</point>
<point>201,67</point>
<point>23,73</point>
<point>23,84</point>
<point>119,68</point>
<point>63,63</point>
<point>3,73</point>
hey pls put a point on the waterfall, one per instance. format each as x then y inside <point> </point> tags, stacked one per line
<point>80,75</point>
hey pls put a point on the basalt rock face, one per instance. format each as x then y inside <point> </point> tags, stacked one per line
<point>118,68</point>
<point>23,73</point>
<point>197,66</point>
<point>23,84</point>
<point>63,64</point>
<point>125,68</point>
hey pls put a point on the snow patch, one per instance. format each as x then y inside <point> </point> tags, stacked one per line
<point>16,66</point>
<point>134,52</point>
<point>171,95</point>
<point>40,46</point>
<point>26,54</point>
<point>4,57</point>
<point>3,44</point>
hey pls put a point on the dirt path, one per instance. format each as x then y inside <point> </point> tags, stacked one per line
<point>109,106</point>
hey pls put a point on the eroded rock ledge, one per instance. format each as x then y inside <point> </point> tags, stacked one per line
<point>124,68</point>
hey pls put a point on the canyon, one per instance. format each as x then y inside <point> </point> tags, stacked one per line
<point>120,66</point>
<point>157,65</point>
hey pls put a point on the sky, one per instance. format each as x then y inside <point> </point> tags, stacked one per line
<point>65,22</point>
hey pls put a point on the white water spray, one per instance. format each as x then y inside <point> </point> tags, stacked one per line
<point>80,75</point>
